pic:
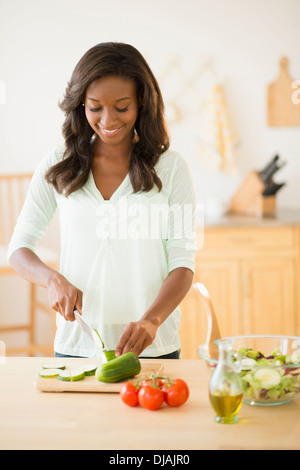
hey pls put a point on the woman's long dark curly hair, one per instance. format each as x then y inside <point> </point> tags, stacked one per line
<point>102,60</point>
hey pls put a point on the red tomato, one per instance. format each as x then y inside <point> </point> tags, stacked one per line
<point>129,394</point>
<point>158,382</point>
<point>151,398</point>
<point>176,394</point>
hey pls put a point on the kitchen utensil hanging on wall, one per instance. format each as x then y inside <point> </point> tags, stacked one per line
<point>281,110</point>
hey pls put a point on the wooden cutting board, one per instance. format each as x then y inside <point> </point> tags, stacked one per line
<point>90,383</point>
<point>281,109</point>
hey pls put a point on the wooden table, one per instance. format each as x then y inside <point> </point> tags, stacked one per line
<point>30,419</point>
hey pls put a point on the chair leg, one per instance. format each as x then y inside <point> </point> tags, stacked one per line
<point>34,306</point>
<point>32,316</point>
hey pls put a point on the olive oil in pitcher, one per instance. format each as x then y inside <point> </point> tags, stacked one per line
<point>225,387</point>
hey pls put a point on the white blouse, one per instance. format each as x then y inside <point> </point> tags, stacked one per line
<point>118,252</point>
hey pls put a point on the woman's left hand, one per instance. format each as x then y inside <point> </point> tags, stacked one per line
<point>136,337</point>
<point>140,334</point>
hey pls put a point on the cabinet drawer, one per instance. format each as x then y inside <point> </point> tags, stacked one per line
<point>249,238</point>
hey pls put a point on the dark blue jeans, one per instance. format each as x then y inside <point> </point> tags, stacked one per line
<point>173,355</point>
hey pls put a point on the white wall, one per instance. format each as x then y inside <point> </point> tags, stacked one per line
<point>42,40</point>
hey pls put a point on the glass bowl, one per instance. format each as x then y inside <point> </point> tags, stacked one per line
<point>269,366</point>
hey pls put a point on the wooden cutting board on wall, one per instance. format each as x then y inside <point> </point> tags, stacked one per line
<point>281,109</point>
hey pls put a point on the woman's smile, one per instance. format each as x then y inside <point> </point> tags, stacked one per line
<point>110,132</point>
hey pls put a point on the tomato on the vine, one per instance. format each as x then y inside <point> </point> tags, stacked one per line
<point>150,397</point>
<point>129,394</point>
<point>176,393</point>
<point>153,381</point>
<point>153,391</point>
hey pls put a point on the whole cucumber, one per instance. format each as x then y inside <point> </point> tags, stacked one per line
<point>122,368</point>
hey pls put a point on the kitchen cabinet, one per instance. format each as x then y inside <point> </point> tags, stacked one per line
<point>251,270</point>
<point>268,298</point>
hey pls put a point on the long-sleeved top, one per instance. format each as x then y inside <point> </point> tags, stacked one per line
<point>118,252</point>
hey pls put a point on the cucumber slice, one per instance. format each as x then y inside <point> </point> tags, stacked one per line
<point>72,375</point>
<point>268,377</point>
<point>109,354</point>
<point>90,369</point>
<point>48,373</point>
<point>53,366</point>
<point>97,339</point>
<point>296,357</point>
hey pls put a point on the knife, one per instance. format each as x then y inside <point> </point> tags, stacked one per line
<point>272,170</point>
<point>272,189</point>
<point>91,332</point>
<point>266,169</point>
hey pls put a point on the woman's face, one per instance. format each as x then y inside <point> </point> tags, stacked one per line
<point>111,108</point>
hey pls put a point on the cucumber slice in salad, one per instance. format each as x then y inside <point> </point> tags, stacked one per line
<point>296,357</point>
<point>72,375</point>
<point>267,377</point>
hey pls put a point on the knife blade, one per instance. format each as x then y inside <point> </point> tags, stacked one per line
<point>91,332</point>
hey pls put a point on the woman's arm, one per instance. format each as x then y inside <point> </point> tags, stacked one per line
<point>139,335</point>
<point>63,296</point>
<point>37,212</point>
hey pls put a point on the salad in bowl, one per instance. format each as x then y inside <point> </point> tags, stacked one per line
<point>269,366</point>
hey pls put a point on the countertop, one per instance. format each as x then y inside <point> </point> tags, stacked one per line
<point>282,217</point>
<point>31,419</point>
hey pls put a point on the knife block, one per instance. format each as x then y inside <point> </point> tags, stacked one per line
<point>249,200</point>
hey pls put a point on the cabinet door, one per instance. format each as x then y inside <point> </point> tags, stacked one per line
<point>268,296</point>
<point>221,280</point>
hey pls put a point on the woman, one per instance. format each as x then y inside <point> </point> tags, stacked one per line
<point>126,206</point>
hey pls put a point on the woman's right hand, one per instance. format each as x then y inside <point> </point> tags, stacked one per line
<point>64,298</point>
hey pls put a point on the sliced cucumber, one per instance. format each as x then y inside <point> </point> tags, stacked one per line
<point>268,377</point>
<point>72,375</point>
<point>109,354</point>
<point>48,373</point>
<point>90,369</point>
<point>97,339</point>
<point>53,366</point>
<point>296,357</point>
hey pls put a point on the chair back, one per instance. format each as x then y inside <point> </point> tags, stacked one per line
<point>213,330</point>
<point>13,190</point>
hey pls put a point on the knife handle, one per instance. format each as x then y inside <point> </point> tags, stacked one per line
<point>266,169</point>
<point>272,189</point>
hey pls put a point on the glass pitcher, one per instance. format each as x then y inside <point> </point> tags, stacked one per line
<point>225,386</point>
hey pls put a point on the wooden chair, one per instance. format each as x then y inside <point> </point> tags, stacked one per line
<point>13,189</point>
<point>213,330</point>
